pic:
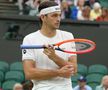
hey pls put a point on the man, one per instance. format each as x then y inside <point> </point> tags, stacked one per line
<point>49,69</point>
<point>82,84</point>
<point>18,86</point>
<point>104,84</point>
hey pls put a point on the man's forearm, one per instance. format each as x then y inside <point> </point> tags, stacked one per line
<point>60,61</point>
<point>41,74</point>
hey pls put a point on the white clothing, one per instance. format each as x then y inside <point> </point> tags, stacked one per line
<point>30,3</point>
<point>87,87</point>
<point>43,62</point>
<point>53,87</point>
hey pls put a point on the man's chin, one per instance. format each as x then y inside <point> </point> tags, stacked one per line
<point>57,27</point>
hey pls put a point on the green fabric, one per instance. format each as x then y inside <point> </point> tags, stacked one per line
<point>1,76</point>
<point>82,69</point>
<point>16,66</point>
<point>0,84</point>
<point>97,68</point>
<point>104,3</point>
<point>94,78</point>
<point>4,66</point>
<point>8,85</point>
<point>15,75</point>
<point>74,84</point>
<point>93,85</point>
<point>75,77</point>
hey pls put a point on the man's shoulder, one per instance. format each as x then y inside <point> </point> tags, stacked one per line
<point>88,87</point>
<point>31,35</point>
<point>65,32</point>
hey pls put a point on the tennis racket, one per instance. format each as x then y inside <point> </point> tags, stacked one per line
<point>72,46</point>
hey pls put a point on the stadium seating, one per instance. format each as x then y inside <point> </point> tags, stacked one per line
<point>82,69</point>
<point>104,3</point>
<point>16,66</point>
<point>98,68</point>
<point>4,66</point>
<point>10,74</point>
<point>0,84</point>
<point>93,85</point>
<point>74,84</point>
<point>14,75</point>
<point>1,76</point>
<point>94,78</point>
<point>75,77</point>
<point>8,85</point>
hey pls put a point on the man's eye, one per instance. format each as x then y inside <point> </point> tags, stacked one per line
<point>54,15</point>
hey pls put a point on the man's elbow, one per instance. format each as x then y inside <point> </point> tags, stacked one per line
<point>28,75</point>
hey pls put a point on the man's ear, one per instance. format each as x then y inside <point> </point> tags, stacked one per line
<point>42,17</point>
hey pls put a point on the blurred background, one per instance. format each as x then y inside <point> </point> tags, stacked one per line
<point>84,18</point>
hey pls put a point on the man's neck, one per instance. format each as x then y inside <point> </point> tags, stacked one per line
<point>48,31</point>
<point>82,88</point>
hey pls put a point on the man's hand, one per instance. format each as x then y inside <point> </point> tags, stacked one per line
<point>66,71</point>
<point>49,51</point>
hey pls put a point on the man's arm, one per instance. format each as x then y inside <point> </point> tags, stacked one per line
<point>73,61</point>
<point>50,52</point>
<point>32,72</point>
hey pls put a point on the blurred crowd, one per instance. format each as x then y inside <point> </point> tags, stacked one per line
<point>82,85</point>
<point>71,9</point>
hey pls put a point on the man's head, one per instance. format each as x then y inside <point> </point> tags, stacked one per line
<point>50,14</point>
<point>80,3</point>
<point>86,11</point>
<point>105,81</point>
<point>96,7</point>
<point>82,81</point>
<point>18,86</point>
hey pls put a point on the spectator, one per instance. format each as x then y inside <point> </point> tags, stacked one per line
<point>82,84</point>
<point>80,7</point>
<point>85,15</point>
<point>104,16</point>
<point>90,2</point>
<point>66,10</point>
<point>18,86</point>
<point>19,3</point>
<point>77,10</point>
<point>104,84</point>
<point>34,8</point>
<point>96,11</point>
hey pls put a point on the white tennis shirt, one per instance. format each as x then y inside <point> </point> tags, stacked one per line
<point>42,61</point>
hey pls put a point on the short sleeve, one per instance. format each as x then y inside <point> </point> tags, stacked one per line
<point>27,54</point>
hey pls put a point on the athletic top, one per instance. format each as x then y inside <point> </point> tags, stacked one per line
<point>42,60</point>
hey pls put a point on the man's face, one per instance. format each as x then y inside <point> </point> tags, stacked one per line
<point>19,88</point>
<point>82,83</point>
<point>53,20</point>
<point>105,83</point>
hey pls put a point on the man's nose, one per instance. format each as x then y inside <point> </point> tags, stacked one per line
<point>58,18</point>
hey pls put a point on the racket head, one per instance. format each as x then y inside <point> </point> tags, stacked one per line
<point>79,46</point>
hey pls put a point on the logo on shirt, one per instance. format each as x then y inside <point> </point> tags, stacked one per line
<point>24,51</point>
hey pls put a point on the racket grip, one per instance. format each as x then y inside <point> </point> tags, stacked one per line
<point>32,46</point>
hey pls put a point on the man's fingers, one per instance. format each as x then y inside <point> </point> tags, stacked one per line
<point>69,66</point>
<point>48,46</point>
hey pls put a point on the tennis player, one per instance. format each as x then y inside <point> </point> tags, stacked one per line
<point>49,69</point>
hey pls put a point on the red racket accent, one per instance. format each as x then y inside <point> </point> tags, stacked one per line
<point>90,46</point>
<point>78,40</point>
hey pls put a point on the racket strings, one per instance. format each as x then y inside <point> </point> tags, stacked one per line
<point>76,46</point>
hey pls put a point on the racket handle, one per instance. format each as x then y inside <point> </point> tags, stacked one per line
<point>32,47</point>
